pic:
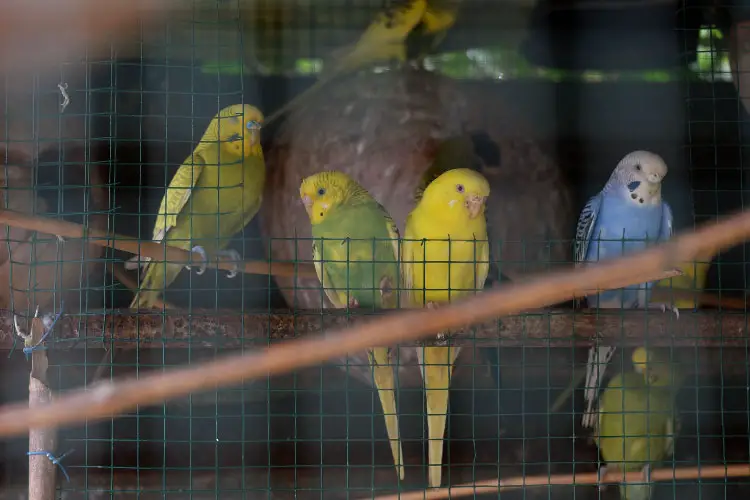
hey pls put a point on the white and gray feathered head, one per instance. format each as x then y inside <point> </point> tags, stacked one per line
<point>641,172</point>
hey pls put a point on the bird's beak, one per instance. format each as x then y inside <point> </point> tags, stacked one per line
<point>654,178</point>
<point>475,204</point>
<point>308,203</point>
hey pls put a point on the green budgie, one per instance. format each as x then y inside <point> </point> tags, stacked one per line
<point>355,249</point>
<point>637,423</point>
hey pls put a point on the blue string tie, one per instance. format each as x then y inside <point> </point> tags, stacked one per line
<point>55,460</point>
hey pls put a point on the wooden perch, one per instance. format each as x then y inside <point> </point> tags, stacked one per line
<point>106,399</point>
<point>613,477</point>
<point>158,252</point>
<point>555,328</point>
<point>42,472</point>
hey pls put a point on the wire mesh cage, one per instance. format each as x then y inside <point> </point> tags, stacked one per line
<point>317,166</point>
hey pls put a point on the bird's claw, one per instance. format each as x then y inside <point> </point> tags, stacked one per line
<point>234,257</point>
<point>353,303</point>
<point>204,259</point>
<point>60,239</point>
<point>666,307</point>
<point>646,471</point>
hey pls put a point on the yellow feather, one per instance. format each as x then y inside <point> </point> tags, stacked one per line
<point>693,279</point>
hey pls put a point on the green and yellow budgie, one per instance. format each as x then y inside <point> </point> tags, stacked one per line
<point>212,196</point>
<point>637,421</point>
<point>452,206</point>
<point>355,251</point>
<point>422,22</point>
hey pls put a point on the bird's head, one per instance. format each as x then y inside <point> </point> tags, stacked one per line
<point>322,192</point>
<point>657,371</point>
<point>642,173</point>
<point>237,129</point>
<point>460,192</point>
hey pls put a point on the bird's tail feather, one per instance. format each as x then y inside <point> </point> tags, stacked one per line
<point>382,374</point>
<point>437,367</point>
<point>157,278</point>
<point>640,491</point>
<point>599,357</point>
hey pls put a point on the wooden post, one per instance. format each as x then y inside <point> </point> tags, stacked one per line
<point>42,471</point>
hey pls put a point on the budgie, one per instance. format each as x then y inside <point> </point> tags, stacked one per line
<point>637,421</point>
<point>212,196</point>
<point>692,281</point>
<point>439,17</point>
<point>452,206</point>
<point>630,213</point>
<point>420,23</point>
<point>355,251</point>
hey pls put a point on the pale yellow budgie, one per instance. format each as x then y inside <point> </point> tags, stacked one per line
<point>404,29</point>
<point>452,206</point>
<point>212,196</point>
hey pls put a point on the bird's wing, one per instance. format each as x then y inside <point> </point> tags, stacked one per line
<point>483,264</point>
<point>666,222</point>
<point>337,298</point>
<point>392,229</point>
<point>407,259</point>
<point>178,193</point>
<point>585,227</point>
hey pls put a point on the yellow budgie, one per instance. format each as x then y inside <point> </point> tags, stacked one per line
<point>434,272</point>
<point>419,24</point>
<point>212,196</point>
<point>355,247</point>
<point>679,289</point>
<point>637,420</point>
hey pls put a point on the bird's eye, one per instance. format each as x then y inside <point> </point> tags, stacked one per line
<point>235,137</point>
<point>460,188</point>
<point>638,167</point>
<point>321,191</point>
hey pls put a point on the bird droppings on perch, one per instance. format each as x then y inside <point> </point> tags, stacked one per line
<point>555,328</point>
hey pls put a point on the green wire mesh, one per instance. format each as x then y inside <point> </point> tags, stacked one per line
<point>105,159</point>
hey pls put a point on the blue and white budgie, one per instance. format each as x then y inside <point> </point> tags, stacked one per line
<point>626,216</point>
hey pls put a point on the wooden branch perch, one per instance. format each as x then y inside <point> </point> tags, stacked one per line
<point>554,328</point>
<point>592,478</point>
<point>158,252</point>
<point>42,472</point>
<point>107,398</point>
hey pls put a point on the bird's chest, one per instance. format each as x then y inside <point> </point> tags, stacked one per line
<point>623,227</point>
<point>448,261</point>
<point>233,188</point>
